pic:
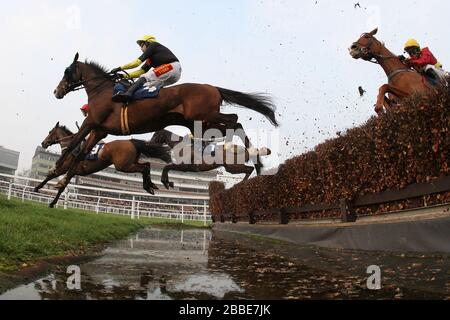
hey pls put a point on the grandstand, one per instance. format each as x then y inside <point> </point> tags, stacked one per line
<point>9,161</point>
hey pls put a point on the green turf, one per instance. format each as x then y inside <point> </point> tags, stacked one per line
<point>29,231</point>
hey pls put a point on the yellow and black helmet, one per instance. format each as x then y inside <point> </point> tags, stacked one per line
<point>412,43</point>
<point>146,38</point>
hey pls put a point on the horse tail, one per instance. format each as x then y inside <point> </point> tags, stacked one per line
<point>257,102</point>
<point>153,150</point>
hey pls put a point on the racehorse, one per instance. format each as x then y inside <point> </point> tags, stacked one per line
<point>177,105</point>
<point>231,157</point>
<point>403,81</point>
<point>124,155</point>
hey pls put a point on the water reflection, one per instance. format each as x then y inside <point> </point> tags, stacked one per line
<point>164,264</point>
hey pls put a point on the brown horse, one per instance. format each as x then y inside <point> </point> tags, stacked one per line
<point>403,81</point>
<point>124,155</point>
<point>177,105</point>
<point>230,157</point>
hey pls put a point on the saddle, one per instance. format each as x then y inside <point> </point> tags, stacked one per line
<point>144,92</point>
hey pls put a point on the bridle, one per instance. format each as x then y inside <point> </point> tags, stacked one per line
<point>376,57</point>
<point>77,85</point>
<point>61,140</point>
<point>366,51</point>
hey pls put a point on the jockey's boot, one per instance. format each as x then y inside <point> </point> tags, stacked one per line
<point>126,97</point>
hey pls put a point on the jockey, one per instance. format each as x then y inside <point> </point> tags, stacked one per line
<point>93,155</point>
<point>423,61</point>
<point>160,68</point>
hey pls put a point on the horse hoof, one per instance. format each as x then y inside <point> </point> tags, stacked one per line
<point>166,184</point>
<point>51,206</point>
<point>36,190</point>
<point>171,185</point>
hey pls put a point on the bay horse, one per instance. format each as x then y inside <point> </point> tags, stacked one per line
<point>178,105</point>
<point>402,81</point>
<point>231,157</point>
<point>124,155</point>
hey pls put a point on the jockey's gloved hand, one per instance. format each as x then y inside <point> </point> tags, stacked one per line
<point>402,58</point>
<point>116,70</point>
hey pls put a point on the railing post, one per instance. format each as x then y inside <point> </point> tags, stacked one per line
<point>182,213</point>
<point>284,216</point>
<point>347,211</point>
<point>205,215</point>
<point>252,218</point>
<point>133,208</point>
<point>97,208</point>
<point>138,211</point>
<point>10,191</point>
<point>66,195</point>
<point>23,194</point>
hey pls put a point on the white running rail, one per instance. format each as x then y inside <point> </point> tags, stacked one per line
<point>76,197</point>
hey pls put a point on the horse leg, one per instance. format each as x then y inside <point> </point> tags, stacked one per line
<point>81,169</point>
<point>85,129</point>
<point>165,176</point>
<point>94,138</point>
<point>248,145</point>
<point>240,169</point>
<point>379,106</point>
<point>184,168</point>
<point>145,170</point>
<point>55,173</point>
<point>62,185</point>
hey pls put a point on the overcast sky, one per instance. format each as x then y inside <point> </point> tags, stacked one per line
<point>294,50</point>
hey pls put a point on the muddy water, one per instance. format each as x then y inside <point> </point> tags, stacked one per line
<point>164,264</point>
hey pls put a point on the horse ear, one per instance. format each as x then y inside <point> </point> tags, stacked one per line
<point>77,56</point>
<point>57,125</point>
<point>374,32</point>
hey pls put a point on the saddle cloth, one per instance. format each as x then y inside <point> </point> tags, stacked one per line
<point>143,92</point>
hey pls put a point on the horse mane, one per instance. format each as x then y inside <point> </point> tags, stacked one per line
<point>98,68</point>
<point>66,130</point>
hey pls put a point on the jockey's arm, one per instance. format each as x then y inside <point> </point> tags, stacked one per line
<point>135,74</point>
<point>133,64</point>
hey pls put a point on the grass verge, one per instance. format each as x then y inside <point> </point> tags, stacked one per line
<point>30,232</point>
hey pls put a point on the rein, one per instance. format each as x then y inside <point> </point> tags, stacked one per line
<point>366,50</point>
<point>81,84</point>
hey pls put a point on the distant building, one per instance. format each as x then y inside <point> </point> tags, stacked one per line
<point>188,186</point>
<point>42,162</point>
<point>9,161</point>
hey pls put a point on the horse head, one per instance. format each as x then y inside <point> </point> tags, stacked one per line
<point>366,47</point>
<point>55,136</point>
<point>71,79</point>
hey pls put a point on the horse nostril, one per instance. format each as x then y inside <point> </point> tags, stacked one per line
<point>354,47</point>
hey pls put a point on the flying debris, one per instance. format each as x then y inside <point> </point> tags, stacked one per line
<point>361,91</point>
